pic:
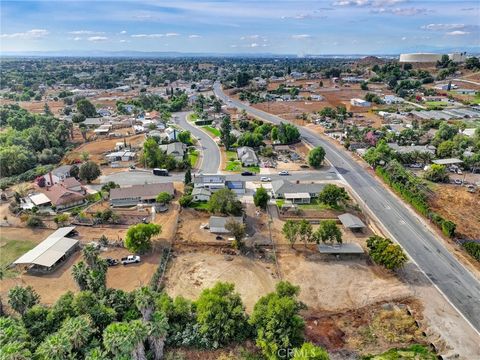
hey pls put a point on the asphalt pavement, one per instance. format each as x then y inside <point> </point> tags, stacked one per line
<point>210,157</point>
<point>458,284</point>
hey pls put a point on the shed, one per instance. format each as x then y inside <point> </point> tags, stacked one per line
<point>50,251</point>
<point>351,222</point>
<point>217,224</point>
<point>298,198</point>
<point>348,248</point>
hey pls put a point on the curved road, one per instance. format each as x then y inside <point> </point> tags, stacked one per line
<point>210,157</point>
<point>457,284</point>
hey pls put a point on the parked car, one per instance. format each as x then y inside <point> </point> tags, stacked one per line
<point>283,173</point>
<point>247,173</point>
<point>265,179</point>
<point>130,259</point>
<point>112,262</point>
<point>457,181</point>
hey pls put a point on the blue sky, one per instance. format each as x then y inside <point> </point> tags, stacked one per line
<point>227,26</point>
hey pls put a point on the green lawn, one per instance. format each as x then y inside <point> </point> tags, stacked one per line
<point>231,155</point>
<point>212,130</point>
<point>193,157</point>
<point>192,117</point>
<point>436,103</point>
<point>280,203</point>
<point>10,250</point>
<point>236,166</point>
<point>199,205</point>
<point>314,205</point>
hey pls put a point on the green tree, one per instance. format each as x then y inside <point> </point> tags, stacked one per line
<point>238,231</point>
<point>261,197</point>
<point>163,198</point>
<point>384,252</point>
<point>55,347</point>
<point>221,315</point>
<point>138,238</point>
<point>332,195</point>
<point>316,157</point>
<point>305,231</point>
<point>61,219</point>
<point>436,173</point>
<point>184,137</point>
<point>328,231</point>
<point>276,320</point>
<point>185,200</point>
<point>80,273</point>
<point>225,201</point>
<point>290,230</point>
<point>78,330</point>
<point>36,322</point>
<point>89,171</point>
<point>225,132</point>
<point>309,351</point>
<point>445,149</point>
<point>86,108</point>
<point>188,177</point>
<point>125,340</point>
<point>22,298</point>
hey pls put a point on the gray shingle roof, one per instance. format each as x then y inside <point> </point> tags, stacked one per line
<point>351,221</point>
<point>285,186</point>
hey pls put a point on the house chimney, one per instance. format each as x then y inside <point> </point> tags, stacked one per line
<point>51,178</point>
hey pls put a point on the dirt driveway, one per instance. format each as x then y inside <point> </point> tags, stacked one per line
<point>192,271</point>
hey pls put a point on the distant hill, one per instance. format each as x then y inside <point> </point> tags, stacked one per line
<point>370,60</point>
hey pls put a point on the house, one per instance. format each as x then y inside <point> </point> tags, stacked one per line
<point>57,175</point>
<point>73,184</point>
<point>139,194</point>
<point>201,194</point>
<point>247,156</point>
<point>123,155</point>
<point>237,186</point>
<point>360,102</point>
<point>39,200</point>
<point>412,148</point>
<point>103,129</point>
<point>171,134</point>
<point>50,252</point>
<point>466,91</point>
<point>92,122</point>
<point>175,149</point>
<point>392,99</point>
<point>469,132</point>
<point>300,193</point>
<point>104,112</point>
<point>210,182</point>
<point>216,224</point>
<point>64,196</point>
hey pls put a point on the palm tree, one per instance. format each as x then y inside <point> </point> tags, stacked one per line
<point>125,339</point>
<point>80,274</point>
<point>90,254</point>
<point>145,302</point>
<point>157,334</point>
<point>55,347</point>
<point>78,330</point>
<point>22,298</point>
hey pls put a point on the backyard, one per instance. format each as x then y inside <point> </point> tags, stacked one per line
<point>234,165</point>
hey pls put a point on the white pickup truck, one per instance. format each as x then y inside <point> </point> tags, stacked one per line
<point>130,259</point>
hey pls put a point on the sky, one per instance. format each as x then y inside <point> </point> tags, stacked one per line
<point>238,26</point>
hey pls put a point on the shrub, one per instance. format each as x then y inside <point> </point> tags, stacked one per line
<point>473,248</point>
<point>384,252</point>
<point>448,228</point>
<point>34,221</point>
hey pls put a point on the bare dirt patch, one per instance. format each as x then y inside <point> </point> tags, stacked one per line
<point>336,285</point>
<point>460,206</point>
<point>192,271</point>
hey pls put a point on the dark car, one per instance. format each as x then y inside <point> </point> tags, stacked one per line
<point>247,173</point>
<point>112,262</point>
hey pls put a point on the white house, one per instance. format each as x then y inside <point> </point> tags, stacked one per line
<point>360,102</point>
<point>392,99</point>
<point>201,194</point>
<point>171,133</point>
<point>247,156</point>
<point>57,175</point>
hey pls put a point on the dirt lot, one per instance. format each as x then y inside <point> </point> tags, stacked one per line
<point>192,271</point>
<point>51,286</point>
<point>99,147</point>
<point>455,203</point>
<point>336,285</point>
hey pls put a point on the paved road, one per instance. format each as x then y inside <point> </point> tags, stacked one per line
<point>459,285</point>
<point>210,160</point>
<point>126,178</point>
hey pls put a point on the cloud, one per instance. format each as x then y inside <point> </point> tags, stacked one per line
<point>253,45</point>
<point>77,38</point>
<point>194,36</point>
<point>85,32</point>
<point>441,27</point>
<point>171,34</point>
<point>301,36</point>
<point>404,38</point>
<point>147,36</point>
<point>401,11</point>
<point>253,37</point>
<point>30,34</point>
<point>123,32</point>
<point>457,33</point>
<point>371,3</point>
<point>97,38</point>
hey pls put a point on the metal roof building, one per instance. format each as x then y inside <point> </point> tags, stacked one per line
<point>351,221</point>
<point>452,161</point>
<point>51,250</point>
<point>349,248</point>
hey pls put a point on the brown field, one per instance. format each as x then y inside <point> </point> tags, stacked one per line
<point>192,271</point>
<point>455,203</point>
